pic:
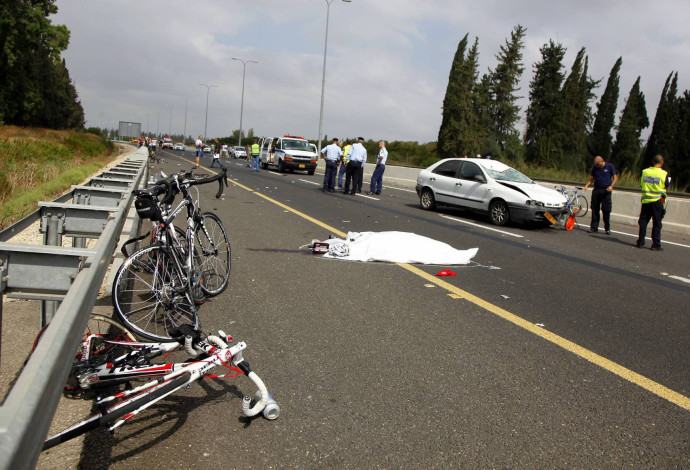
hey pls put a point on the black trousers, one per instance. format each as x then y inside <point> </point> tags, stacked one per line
<point>329,175</point>
<point>352,174</point>
<point>601,201</point>
<point>653,211</point>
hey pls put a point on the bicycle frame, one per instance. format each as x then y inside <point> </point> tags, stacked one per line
<point>117,409</point>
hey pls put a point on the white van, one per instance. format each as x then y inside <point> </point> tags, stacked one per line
<point>288,153</point>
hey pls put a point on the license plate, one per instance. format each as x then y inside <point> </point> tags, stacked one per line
<point>549,217</point>
<point>302,166</point>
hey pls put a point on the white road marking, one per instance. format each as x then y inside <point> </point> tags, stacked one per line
<point>369,197</point>
<point>311,182</point>
<point>482,226</point>
<point>678,278</point>
<point>648,238</point>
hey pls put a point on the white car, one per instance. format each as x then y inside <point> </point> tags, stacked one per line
<point>179,146</point>
<point>489,187</point>
<point>207,149</point>
<point>238,152</point>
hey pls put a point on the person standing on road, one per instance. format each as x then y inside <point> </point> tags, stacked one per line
<point>360,181</point>
<point>358,155</point>
<point>255,156</point>
<point>331,154</point>
<point>216,154</point>
<point>377,178</point>
<point>604,177</point>
<point>654,183</point>
<point>199,149</point>
<point>343,163</point>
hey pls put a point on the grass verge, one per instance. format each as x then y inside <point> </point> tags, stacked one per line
<point>40,164</point>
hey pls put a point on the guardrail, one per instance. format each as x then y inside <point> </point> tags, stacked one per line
<point>66,280</point>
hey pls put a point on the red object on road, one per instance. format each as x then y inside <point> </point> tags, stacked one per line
<point>445,272</point>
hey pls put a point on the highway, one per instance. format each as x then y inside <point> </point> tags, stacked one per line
<point>551,349</point>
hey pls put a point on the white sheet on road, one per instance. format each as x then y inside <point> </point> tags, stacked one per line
<point>399,247</point>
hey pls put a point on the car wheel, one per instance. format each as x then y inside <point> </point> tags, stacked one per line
<point>427,200</point>
<point>498,213</point>
<point>311,172</point>
<point>281,166</point>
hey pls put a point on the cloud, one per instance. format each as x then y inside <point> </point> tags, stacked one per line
<point>387,66</point>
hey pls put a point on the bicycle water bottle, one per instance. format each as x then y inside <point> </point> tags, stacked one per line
<point>155,177</point>
<point>272,409</point>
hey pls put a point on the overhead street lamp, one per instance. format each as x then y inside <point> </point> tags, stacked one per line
<point>323,80</point>
<point>208,88</point>
<point>244,69</point>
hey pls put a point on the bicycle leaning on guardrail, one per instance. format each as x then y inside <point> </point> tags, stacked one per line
<point>102,361</point>
<point>576,203</point>
<point>157,288</point>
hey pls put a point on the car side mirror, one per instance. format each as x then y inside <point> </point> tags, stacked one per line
<point>480,178</point>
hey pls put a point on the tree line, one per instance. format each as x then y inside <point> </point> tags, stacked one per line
<point>480,114</point>
<point>35,85</point>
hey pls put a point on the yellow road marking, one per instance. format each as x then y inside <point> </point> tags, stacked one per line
<point>455,292</point>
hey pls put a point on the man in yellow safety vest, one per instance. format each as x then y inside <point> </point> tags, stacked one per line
<point>255,156</point>
<point>654,182</point>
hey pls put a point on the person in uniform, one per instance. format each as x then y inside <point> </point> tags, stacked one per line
<point>332,154</point>
<point>255,155</point>
<point>343,163</point>
<point>377,177</point>
<point>654,183</point>
<point>604,177</point>
<point>358,155</point>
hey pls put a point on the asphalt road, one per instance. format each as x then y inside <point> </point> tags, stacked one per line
<point>552,349</point>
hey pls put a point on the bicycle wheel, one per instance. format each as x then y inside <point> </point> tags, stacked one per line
<point>582,206</point>
<point>151,296</point>
<point>212,254</point>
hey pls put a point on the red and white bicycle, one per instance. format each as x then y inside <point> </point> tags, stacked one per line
<point>111,358</point>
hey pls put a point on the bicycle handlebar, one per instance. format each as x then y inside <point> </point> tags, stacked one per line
<point>220,177</point>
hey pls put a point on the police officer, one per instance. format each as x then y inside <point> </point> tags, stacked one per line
<point>377,178</point>
<point>604,177</point>
<point>358,155</point>
<point>255,156</point>
<point>332,155</point>
<point>654,182</point>
<point>343,163</point>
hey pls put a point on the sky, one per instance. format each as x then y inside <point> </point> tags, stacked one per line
<point>387,60</point>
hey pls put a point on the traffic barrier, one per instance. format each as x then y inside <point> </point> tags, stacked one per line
<point>66,280</point>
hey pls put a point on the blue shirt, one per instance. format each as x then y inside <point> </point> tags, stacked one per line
<point>603,177</point>
<point>358,153</point>
<point>332,152</point>
<point>383,156</point>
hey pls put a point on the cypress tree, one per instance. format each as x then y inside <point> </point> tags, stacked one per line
<point>600,139</point>
<point>662,138</point>
<point>627,149</point>
<point>681,167</point>
<point>504,83</point>
<point>452,106</point>
<point>544,90</point>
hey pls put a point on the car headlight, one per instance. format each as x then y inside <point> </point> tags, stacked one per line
<point>532,202</point>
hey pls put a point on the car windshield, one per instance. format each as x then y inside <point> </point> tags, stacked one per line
<point>290,144</point>
<point>508,174</point>
<point>239,148</point>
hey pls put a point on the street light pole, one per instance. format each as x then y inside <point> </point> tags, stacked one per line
<point>184,133</point>
<point>244,69</point>
<point>208,88</point>
<point>323,79</point>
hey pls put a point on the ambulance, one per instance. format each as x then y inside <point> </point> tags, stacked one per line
<point>288,153</point>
